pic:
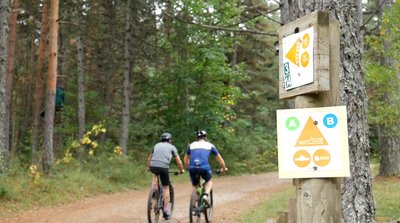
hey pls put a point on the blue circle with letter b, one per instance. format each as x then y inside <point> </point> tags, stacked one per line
<point>330,120</point>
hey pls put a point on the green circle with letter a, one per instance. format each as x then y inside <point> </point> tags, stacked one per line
<point>292,123</point>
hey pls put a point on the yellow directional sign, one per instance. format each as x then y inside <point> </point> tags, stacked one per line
<point>298,60</point>
<point>313,142</point>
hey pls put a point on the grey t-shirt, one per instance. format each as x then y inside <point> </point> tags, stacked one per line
<point>162,154</point>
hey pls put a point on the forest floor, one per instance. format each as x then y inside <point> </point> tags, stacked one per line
<point>233,196</point>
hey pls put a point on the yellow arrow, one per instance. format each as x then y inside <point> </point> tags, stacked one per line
<point>293,54</point>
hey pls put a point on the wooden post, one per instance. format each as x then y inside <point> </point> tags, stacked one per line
<point>292,211</point>
<point>318,200</point>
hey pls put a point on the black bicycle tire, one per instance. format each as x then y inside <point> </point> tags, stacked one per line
<point>153,196</point>
<point>208,212</point>
<point>194,205</point>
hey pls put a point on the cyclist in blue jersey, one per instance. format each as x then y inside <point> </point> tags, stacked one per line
<point>158,163</point>
<point>196,159</point>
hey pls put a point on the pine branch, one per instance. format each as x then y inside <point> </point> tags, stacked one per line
<point>210,27</point>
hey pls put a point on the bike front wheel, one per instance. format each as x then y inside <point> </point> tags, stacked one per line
<point>194,213</point>
<point>208,211</point>
<point>153,211</point>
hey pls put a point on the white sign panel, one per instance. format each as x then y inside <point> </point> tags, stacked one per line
<point>298,59</point>
<point>313,142</point>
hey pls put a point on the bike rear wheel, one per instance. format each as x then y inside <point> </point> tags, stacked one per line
<point>208,212</point>
<point>153,211</point>
<point>194,213</point>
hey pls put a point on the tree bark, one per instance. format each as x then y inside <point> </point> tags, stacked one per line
<point>4,12</point>
<point>123,141</point>
<point>39,81</point>
<point>48,158</point>
<point>12,38</point>
<point>389,150</point>
<point>81,89</point>
<point>357,199</point>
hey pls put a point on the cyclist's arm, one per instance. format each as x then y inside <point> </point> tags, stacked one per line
<point>179,163</point>
<point>221,162</point>
<point>148,160</point>
<point>186,159</point>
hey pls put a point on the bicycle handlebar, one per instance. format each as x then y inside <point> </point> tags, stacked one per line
<point>218,171</point>
<point>175,172</point>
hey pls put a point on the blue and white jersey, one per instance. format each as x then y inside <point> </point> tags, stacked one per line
<point>199,151</point>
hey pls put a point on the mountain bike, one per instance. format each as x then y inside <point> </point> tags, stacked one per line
<point>155,202</point>
<point>198,206</point>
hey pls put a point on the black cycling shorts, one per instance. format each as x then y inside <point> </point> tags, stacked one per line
<point>196,173</point>
<point>163,173</point>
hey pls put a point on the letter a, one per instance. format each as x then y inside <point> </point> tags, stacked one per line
<point>292,124</point>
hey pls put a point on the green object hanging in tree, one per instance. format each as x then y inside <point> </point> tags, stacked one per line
<point>59,98</point>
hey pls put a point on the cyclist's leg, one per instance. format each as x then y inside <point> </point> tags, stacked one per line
<point>194,177</point>
<point>206,175</point>
<point>164,177</point>
<point>154,183</point>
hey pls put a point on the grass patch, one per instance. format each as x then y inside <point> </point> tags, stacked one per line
<point>385,190</point>
<point>387,198</point>
<point>20,190</point>
<point>270,208</point>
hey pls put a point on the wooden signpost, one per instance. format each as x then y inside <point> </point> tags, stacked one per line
<point>309,74</point>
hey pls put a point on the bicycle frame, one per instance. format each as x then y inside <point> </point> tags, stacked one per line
<point>198,206</point>
<point>155,203</point>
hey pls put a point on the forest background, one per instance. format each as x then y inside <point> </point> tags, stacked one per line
<point>128,71</point>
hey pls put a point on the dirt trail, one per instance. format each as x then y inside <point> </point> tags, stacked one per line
<point>232,197</point>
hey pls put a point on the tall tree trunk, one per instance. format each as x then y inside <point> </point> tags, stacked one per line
<point>48,158</point>
<point>108,58</point>
<point>39,81</point>
<point>389,150</point>
<point>81,89</point>
<point>360,15</point>
<point>357,200</point>
<point>123,141</point>
<point>12,39</point>
<point>4,12</point>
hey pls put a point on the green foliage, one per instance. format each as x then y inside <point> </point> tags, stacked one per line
<point>384,99</point>
<point>188,72</point>
<point>3,191</point>
<point>382,78</point>
<point>68,182</point>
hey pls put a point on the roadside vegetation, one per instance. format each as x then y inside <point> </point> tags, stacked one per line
<point>98,169</point>
<point>385,190</point>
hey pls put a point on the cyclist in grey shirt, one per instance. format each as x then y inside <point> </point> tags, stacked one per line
<point>159,161</point>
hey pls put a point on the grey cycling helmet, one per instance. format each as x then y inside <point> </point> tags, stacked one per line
<point>201,133</point>
<point>166,137</point>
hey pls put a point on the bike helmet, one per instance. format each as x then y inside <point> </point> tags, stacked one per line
<point>201,133</point>
<point>166,137</point>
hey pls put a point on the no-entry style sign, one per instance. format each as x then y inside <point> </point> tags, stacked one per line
<point>298,59</point>
<point>313,142</point>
